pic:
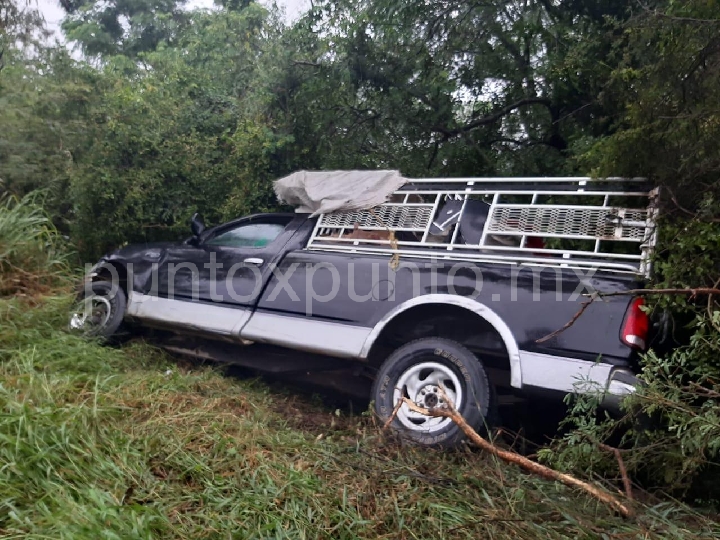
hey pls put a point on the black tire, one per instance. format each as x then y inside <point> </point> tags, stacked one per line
<point>105,324</point>
<point>433,359</point>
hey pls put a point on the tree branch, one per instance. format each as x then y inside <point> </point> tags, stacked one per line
<point>568,324</point>
<point>623,470</point>
<point>306,63</point>
<point>700,291</point>
<point>434,154</point>
<point>677,204</point>
<point>658,13</point>
<point>526,144</point>
<point>393,415</point>
<point>552,10</point>
<point>490,118</point>
<point>450,412</point>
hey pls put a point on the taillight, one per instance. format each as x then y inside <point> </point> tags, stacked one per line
<point>636,326</point>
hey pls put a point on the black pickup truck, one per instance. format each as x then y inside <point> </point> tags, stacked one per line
<point>450,289</point>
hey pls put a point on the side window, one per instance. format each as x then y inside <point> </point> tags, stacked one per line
<point>256,235</point>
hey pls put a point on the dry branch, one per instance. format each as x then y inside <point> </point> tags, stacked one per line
<point>699,291</point>
<point>623,471</point>
<point>521,461</point>
<point>568,324</point>
<point>393,415</point>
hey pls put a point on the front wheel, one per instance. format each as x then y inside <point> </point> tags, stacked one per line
<point>418,371</point>
<point>99,310</point>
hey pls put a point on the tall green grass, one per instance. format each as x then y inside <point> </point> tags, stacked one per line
<point>99,442</point>
<point>32,257</point>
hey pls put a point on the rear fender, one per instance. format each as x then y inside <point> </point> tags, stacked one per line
<point>467,303</point>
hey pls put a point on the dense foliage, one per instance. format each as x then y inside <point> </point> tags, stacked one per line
<point>161,111</point>
<point>666,88</point>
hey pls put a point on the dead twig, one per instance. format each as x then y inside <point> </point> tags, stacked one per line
<point>450,412</point>
<point>393,415</point>
<point>623,470</point>
<point>698,291</point>
<point>568,324</point>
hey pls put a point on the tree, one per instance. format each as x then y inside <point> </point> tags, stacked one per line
<point>668,88</point>
<point>43,101</point>
<point>123,27</point>
<point>187,130</point>
<point>21,22</point>
<point>665,91</point>
<point>447,87</point>
<point>21,25</point>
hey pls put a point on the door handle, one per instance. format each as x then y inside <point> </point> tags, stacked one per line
<point>254,260</point>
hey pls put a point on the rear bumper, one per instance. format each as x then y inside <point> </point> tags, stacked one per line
<point>610,383</point>
<point>621,383</point>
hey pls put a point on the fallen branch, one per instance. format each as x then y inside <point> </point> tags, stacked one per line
<point>450,412</point>
<point>623,471</point>
<point>393,415</point>
<point>568,324</point>
<point>699,291</point>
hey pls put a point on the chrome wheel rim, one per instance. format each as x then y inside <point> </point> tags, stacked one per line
<point>424,384</point>
<point>91,314</point>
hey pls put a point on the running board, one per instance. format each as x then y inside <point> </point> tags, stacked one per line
<point>260,357</point>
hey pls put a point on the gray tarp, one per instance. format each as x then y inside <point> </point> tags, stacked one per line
<point>337,191</point>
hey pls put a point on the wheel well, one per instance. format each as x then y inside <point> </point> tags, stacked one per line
<point>450,322</point>
<point>105,273</point>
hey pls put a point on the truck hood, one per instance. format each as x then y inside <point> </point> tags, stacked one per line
<point>138,252</point>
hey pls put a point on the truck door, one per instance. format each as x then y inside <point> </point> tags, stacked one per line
<point>228,267</point>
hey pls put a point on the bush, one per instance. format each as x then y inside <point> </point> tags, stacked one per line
<point>670,435</point>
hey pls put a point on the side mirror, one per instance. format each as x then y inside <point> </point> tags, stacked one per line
<point>197,225</point>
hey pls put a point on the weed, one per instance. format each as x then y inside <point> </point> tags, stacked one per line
<point>32,258</point>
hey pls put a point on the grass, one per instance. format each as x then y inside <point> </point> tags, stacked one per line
<point>31,254</point>
<point>106,443</point>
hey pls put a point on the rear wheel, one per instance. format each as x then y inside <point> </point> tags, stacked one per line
<point>99,310</point>
<point>429,372</point>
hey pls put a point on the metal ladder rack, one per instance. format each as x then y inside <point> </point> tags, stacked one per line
<point>580,222</point>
